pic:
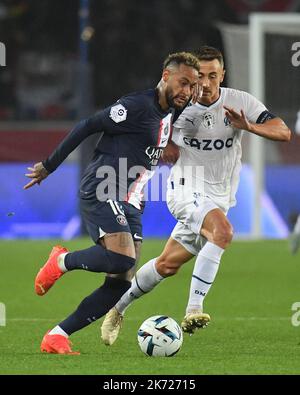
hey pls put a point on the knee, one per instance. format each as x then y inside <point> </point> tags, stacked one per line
<point>126,276</point>
<point>167,268</point>
<point>119,263</point>
<point>222,236</point>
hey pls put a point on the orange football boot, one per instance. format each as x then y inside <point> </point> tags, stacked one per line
<point>50,272</point>
<point>57,344</point>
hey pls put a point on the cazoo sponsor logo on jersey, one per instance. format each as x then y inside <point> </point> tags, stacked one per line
<point>208,144</point>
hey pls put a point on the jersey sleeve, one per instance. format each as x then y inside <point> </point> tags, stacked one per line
<point>80,132</point>
<point>253,108</point>
<point>115,119</point>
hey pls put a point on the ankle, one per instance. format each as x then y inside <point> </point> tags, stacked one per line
<point>61,262</point>
<point>194,309</point>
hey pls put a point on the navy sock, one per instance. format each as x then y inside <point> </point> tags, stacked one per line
<point>95,305</point>
<point>98,259</point>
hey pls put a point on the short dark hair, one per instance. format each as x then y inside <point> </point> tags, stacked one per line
<point>178,58</point>
<point>210,53</point>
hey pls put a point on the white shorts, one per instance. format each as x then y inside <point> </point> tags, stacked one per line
<point>190,214</point>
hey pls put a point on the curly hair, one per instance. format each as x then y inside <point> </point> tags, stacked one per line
<point>178,58</point>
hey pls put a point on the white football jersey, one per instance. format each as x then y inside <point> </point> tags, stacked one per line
<point>210,144</point>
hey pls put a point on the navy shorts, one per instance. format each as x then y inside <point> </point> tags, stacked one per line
<point>111,217</point>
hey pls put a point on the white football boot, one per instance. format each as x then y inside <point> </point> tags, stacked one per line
<point>194,320</point>
<point>111,326</point>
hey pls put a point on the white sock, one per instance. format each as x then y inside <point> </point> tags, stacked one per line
<point>205,271</point>
<point>61,262</point>
<point>297,225</point>
<point>58,331</point>
<point>144,281</point>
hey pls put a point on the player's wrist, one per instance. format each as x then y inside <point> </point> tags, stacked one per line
<point>44,171</point>
<point>46,167</point>
<point>251,127</point>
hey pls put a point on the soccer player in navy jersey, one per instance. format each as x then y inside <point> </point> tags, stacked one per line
<point>135,131</point>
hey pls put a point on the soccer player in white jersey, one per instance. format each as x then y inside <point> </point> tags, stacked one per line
<point>209,137</point>
<point>295,235</point>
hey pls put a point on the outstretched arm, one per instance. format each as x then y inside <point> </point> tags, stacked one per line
<point>80,132</point>
<point>272,129</point>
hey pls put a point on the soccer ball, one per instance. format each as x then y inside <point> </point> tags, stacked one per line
<point>160,336</point>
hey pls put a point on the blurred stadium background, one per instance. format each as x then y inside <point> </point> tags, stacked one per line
<point>67,59</point>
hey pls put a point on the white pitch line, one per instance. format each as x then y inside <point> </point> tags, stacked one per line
<point>138,318</point>
<point>257,318</point>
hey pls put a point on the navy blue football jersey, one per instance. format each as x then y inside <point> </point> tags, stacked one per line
<point>134,132</point>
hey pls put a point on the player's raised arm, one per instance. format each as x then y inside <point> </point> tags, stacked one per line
<point>80,132</point>
<point>267,125</point>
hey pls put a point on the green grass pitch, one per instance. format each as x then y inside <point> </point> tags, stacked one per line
<point>250,304</point>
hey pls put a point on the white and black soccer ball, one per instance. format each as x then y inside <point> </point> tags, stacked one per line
<point>160,336</point>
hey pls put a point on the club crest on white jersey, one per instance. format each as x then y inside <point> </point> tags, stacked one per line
<point>208,120</point>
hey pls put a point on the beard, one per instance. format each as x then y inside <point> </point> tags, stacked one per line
<point>171,100</point>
